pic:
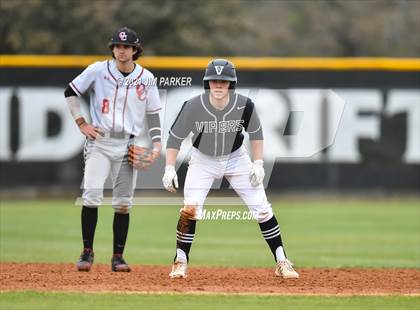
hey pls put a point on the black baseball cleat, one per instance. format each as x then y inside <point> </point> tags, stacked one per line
<point>118,264</point>
<point>85,260</point>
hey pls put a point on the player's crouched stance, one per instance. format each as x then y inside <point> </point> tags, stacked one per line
<point>216,118</point>
<point>118,111</point>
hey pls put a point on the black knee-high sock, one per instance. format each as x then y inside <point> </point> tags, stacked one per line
<point>120,228</point>
<point>89,220</point>
<point>271,233</point>
<point>185,231</point>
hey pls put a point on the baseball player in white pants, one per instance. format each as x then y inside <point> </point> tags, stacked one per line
<point>121,101</point>
<point>216,119</point>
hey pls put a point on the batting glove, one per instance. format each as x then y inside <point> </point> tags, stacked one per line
<point>256,176</point>
<point>170,179</point>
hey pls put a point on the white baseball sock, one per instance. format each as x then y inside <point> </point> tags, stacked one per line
<point>181,256</point>
<point>280,254</point>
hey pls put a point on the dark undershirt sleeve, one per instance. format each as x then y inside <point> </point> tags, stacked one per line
<point>153,122</point>
<point>252,122</point>
<point>69,92</point>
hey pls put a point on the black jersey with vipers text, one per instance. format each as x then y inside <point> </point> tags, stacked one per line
<point>215,132</point>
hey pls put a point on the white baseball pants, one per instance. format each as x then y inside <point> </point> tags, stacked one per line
<point>204,169</point>
<point>105,156</point>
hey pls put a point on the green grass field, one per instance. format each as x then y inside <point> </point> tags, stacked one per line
<point>316,234</point>
<point>70,301</point>
<point>331,233</point>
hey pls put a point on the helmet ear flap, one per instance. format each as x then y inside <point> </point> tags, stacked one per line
<point>206,85</point>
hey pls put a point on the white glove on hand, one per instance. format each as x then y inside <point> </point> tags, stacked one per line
<point>256,176</point>
<point>170,179</point>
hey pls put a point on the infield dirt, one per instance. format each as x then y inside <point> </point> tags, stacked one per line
<point>346,281</point>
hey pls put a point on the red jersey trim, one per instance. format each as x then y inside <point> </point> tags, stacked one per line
<point>109,70</point>
<point>125,104</point>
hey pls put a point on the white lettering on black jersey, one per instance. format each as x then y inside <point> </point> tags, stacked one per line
<point>220,127</point>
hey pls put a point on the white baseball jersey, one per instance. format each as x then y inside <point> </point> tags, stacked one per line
<point>118,103</point>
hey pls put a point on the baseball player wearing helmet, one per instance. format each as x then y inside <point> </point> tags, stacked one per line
<point>121,102</point>
<point>217,118</point>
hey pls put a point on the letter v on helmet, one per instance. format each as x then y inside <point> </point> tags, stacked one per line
<point>219,69</point>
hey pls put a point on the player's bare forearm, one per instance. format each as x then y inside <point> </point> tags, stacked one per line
<point>257,149</point>
<point>171,155</point>
<point>86,129</point>
<point>153,122</point>
<point>157,147</point>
